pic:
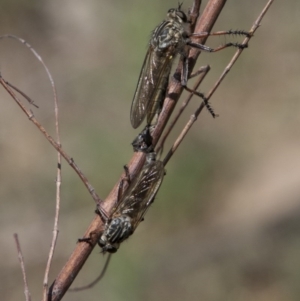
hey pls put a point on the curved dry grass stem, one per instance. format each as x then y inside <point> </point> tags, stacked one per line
<point>58,176</point>
<point>70,160</point>
<point>93,283</point>
<point>21,259</point>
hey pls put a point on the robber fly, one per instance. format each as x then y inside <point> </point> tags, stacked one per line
<point>130,210</point>
<point>143,142</point>
<point>169,38</point>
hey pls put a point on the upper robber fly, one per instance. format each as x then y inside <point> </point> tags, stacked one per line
<point>130,210</point>
<point>168,39</point>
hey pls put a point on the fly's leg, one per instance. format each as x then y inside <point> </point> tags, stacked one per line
<point>218,33</point>
<point>202,72</point>
<point>87,239</point>
<point>104,216</point>
<point>209,49</point>
<point>203,69</point>
<point>205,101</point>
<point>121,186</point>
<point>184,79</point>
<point>100,211</point>
<point>202,47</point>
<point>222,33</point>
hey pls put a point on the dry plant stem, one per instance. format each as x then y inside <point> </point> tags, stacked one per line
<point>159,148</point>
<point>52,141</point>
<point>36,55</point>
<point>194,14</point>
<point>21,259</point>
<point>58,177</point>
<point>204,24</point>
<point>194,117</point>
<point>239,51</point>
<point>83,250</point>
<point>57,203</point>
<point>22,93</point>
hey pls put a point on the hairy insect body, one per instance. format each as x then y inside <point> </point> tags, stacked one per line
<point>132,207</point>
<point>118,230</point>
<point>168,40</point>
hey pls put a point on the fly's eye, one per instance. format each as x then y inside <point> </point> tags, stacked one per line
<point>111,249</point>
<point>185,35</point>
<point>182,15</point>
<point>171,10</point>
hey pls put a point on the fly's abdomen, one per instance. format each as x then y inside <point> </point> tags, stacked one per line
<point>119,229</point>
<point>159,93</point>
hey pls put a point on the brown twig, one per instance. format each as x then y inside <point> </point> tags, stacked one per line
<point>52,141</point>
<point>159,148</point>
<point>57,203</point>
<point>204,24</point>
<point>21,259</point>
<point>194,117</point>
<point>22,93</point>
<point>58,177</point>
<point>82,250</point>
<point>194,14</point>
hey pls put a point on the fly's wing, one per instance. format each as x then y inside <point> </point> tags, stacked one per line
<point>141,192</point>
<point>147,94</point>
<point>141,97</point>
<point>162,79</point>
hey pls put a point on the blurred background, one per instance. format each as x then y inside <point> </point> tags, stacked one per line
<point>226,222</point>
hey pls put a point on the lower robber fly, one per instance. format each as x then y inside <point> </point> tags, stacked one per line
<point>169,38</point>
<point>130,210</point>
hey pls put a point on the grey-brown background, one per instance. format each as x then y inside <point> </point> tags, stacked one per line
<point>225,224</point>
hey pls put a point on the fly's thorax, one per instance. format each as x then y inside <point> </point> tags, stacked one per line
<point>150,158</point>
<point>172,31</point>
<point>116,231</point>
<point>168,34</point>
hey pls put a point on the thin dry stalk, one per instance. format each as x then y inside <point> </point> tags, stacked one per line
<point>22,93</point>
<point>58,177</point>
<point>194,14</point>
<point>205,70</point>
<point>194,117</point>
<point>83,250</point>
<point>93,283</point>
<point>70,160</point>
<point>21,259</point>
<point>57,203</point>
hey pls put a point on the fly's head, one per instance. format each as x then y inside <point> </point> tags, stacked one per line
<point>107,247</point>
<point>143,142</point>
<point>150,158</point>
<point>116,231</point>
<point>177,15</point>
